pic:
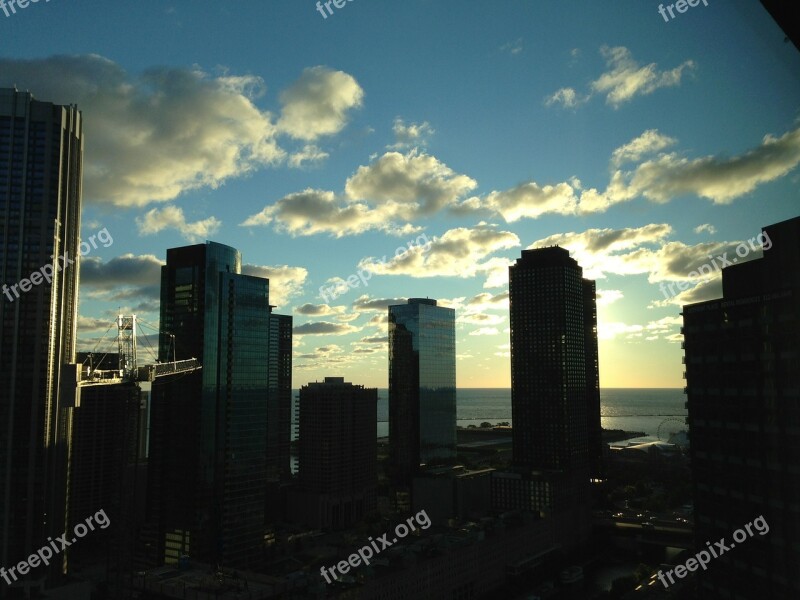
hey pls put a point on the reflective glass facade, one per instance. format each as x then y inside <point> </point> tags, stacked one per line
<point>422,384</point>
<point>41,154</point>
<point>216,433</point>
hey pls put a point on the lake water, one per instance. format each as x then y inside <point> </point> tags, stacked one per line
<point>631,409</point>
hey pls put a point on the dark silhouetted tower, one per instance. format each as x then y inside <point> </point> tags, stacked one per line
<point>41,154</point>
<point>743,388</point>
<point>555,396</point>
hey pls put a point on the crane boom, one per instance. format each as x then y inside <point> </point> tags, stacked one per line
<point>75,376</point>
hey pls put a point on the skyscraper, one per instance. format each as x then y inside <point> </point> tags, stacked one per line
<point>338,463</point>
<point>212,432</point>
<point>555,398</point>
<point>41,154</point>
<point>743,390</point>
<point>422,384</point>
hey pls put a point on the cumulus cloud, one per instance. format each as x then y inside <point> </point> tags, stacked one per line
<point>155,135</point>
<point>91,325</point>
<point>623,80</point>
<point>474,318</point>
<point>319,310</point>
<point>609,331</point>
<point>385,195</point>
<point>626,251</point>
<point>128,269</point>
<point>485,331</point>
<point>460,252</point>
<point>627,79</point>
<point>285,282</point>
<point>318,103</point>
<point>646,250</point>
<point>308,155</point>
<point>720,179</point>
<point>665,328</point>
<point>606,297</point>
<point>375,339</point>
<point>411,135</point>
<point>324,328</point>
<point>172,217</point>
<point>365,303</point>
<point>705,227</point>
<point>417,182</point>
<point>566,97</point>
<point>647,143</point>
<point>531,201</point>
<point>312,212</point>
<point>485,300</point>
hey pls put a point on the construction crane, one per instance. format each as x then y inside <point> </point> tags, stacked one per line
<point>76,376</point>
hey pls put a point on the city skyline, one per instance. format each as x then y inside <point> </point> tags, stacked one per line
<point>605,130</point>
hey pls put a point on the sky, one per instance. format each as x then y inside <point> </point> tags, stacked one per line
<point>423,144</point>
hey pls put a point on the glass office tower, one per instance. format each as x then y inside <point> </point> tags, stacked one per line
<point>422,384</point>
<point>214,433</point>
<point>41,154</point>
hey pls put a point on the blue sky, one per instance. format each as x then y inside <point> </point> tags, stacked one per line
<point>318,146</point>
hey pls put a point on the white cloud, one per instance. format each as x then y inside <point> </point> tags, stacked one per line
<point>313,212</point>
<point>627,79</point>
<point>319,310</point>
<point>624,80</point>
<point>609,331</point>
<point>309,154</point>
<point>285,282</point>
<point>485,331</point>
<point>705,227</point>
<point>606,297</point>
<point>411,135</point>
<point>474,318</point>
<point>324,328</point>
<point>318,103</point>
<point>154,136</point>
<point>566,97</point>
<point>460,252</point>
<point>172,217</point>
<point>649,142</point>
<point>531,201</point>
<point>417,183</point>
<point>721,179</point>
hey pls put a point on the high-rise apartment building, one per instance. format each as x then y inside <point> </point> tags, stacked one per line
<point>214,432</point>
<point>422,385</point>
<point>41,154</point>
<point>743,388</point>
<point>338,463</point>
<point>555,396</point>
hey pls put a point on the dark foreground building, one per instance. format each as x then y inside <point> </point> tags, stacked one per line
<point>422,385</point>
<point>743,389</point>
<point>41,154</point>
<point>555,396</point>
<point>338,462</point>
<point>215,433</point>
